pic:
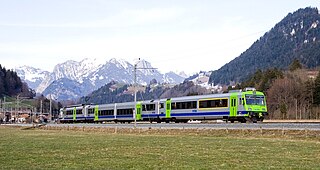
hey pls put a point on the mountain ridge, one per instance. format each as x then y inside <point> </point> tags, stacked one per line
<point>89,75</point>
<point>292,38</point>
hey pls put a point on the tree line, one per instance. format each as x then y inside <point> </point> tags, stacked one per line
<point>11,84</point>
<point>291,94</point>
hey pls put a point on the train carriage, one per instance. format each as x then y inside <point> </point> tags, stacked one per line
<point>72,114</point>
<point>150,110</point>
<point>101,113</point>
<point>124,112</point>
<point>242,106</point>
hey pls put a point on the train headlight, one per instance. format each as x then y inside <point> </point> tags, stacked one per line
<point>249,108</point>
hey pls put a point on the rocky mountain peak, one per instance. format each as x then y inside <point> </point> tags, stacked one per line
<point>89,74</point>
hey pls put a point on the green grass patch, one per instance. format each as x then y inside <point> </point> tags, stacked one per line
<point>62,149</point>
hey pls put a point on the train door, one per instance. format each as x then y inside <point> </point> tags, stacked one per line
<point>96,113</point>
<point>139,111</point>
<point>168,108</point>
<point>158,107</point>
<point>74,114</point>
<point>233,105</point>
<point>115,111</point>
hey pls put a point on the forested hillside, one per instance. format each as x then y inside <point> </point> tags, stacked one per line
<point>297,36</point>
<point>116,93</point>
<point>291,94</point>
<point>11,85</point>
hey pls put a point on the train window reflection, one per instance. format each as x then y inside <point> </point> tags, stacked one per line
<point>254,100</point>
<point>213,103</point>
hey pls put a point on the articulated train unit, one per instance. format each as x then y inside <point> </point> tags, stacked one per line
<point>242,106</point>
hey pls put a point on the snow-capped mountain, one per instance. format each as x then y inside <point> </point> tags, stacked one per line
<point>182,74</point>
<point>73,70</point>
<point>122,71</point>
<point>202,79</point>
<point>72,79</point>
<point>32,76</point>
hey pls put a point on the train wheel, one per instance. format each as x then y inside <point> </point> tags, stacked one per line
<point>254,120</point>
<point>261,119</point>
<point>174,120</point>
<point>243,120</point>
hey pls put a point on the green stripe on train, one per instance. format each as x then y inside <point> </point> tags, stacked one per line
<point>74,113</point>
<point>139,110</point>
<point>96,113</point>
<point>168,108</point>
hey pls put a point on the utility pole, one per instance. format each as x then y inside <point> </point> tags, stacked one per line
<point>4,103</point>
<point>135,94</point>
<point>135,89</point>
<point>17,109</point>
<point>4,108</point>
<point>50,110</point>
<point>40,107</point>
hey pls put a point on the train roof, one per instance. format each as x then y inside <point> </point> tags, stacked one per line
<point>185,98</point>
<point>220,95</point>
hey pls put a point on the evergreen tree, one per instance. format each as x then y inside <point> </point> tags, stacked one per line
<point>316,91</point>
<point>262,80</point>
<point>277,48</point>
<point>2,90</point>
<point>295,65</point>
<point>11,84</point>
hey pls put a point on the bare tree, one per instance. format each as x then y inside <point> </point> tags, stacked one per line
<point>289,97</point>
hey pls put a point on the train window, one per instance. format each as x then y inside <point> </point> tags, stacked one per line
<point>105,112</point>
<point>101,112</point>
<point>90,111</point>
<point>184,105</point>
<point>194,105</point>
<point>213,103</point>
<point>173,106</point>
<point>124,111</point>
<point>161,105</point>
<point>179,105</point>
<point>69,112</point>
<point>148,107</point>
<point>110,112</point>
<point>241,101</point>
<point>79,112</point>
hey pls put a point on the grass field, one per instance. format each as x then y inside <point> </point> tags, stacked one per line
<point>56,149</point>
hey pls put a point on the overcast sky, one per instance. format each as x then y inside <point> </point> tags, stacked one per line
<point>174,35</point>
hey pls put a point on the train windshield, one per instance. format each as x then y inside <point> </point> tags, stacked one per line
<point>255,100</point>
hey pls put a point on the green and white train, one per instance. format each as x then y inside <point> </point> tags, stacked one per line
<point>248,105</point>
